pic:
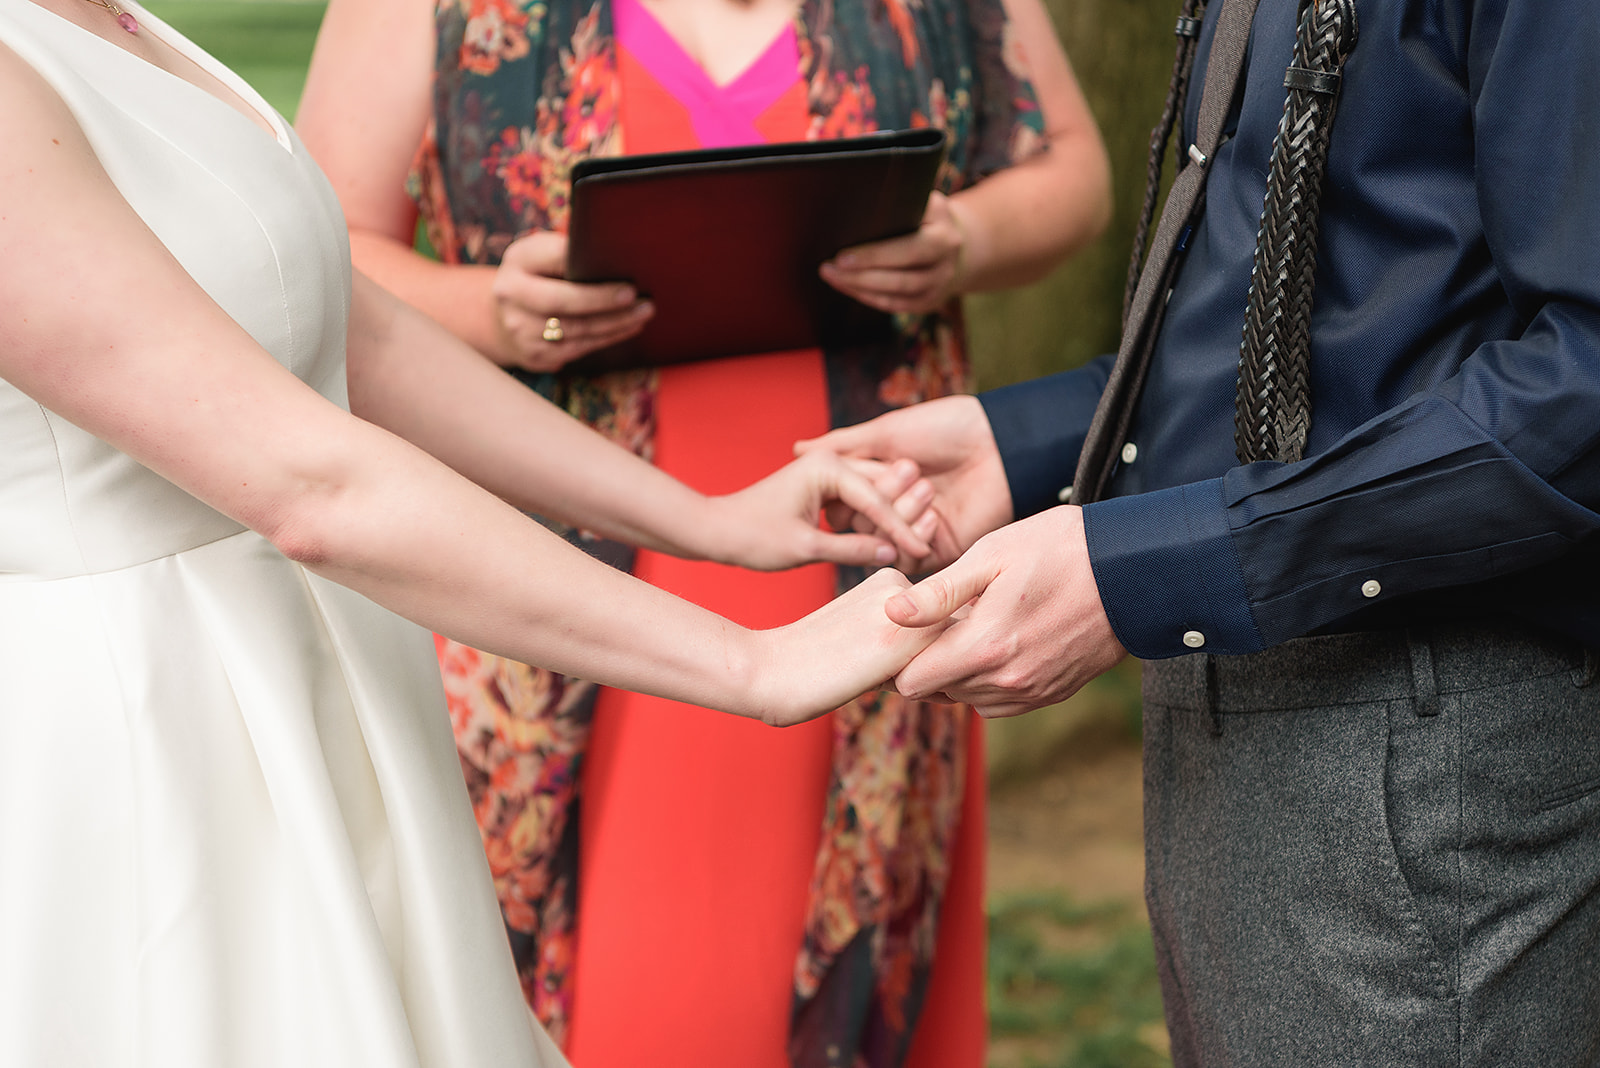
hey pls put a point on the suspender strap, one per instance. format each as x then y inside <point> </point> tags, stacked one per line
<point>1188,33</point>
<point>1272,415</point>
<point>1109,426</point>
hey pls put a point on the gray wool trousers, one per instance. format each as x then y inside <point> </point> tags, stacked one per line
<point>1378,849</point>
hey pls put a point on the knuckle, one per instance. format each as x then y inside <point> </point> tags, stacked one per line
<point>993,654</point>
<point>910,686</point>
<point>941,589</point>
<point>590,299</point>
<point>1012,678</point>
<point>917,285</point>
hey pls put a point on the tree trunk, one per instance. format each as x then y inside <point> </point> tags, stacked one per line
<point>1121,51</point>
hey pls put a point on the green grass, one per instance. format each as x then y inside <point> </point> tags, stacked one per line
<point>1071,986</point>
<point>268,42</point>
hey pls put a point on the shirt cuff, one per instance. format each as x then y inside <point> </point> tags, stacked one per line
<point>1039,427</point>
<point>1168,573</point>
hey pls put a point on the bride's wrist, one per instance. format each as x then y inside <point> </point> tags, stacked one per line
<point>720,533</point>
<point>758,677</point>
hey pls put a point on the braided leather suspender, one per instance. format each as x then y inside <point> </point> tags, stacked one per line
<point>1273,410</point>
<point>1276,346</point>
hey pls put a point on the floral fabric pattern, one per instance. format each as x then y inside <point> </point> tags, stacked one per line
<point>519,731</point>
<point>523,90</point>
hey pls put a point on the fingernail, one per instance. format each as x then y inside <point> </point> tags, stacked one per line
<point>626,295</point>
<point>885,554</point>
<point>644,310</point>
<point>845,259</point>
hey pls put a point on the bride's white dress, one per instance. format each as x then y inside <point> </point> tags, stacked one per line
<point>233,827</point>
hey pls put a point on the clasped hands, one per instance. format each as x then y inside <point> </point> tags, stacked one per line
<point>1022,623</point>
<point>1009,620</point>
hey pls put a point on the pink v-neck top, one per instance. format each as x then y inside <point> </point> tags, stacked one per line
<point>740,112</point>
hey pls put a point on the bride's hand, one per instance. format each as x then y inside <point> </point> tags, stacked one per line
<point>842,650</point>
<point>773,524</point>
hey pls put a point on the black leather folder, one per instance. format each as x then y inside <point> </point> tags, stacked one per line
<point>727,242</point>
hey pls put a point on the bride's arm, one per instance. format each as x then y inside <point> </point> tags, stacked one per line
<point>122,342</point>
<point>412,376</point>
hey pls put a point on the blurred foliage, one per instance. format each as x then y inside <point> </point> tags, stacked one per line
<point>1121,51</point>
<point>1019,748</point>
<point>267,42</point>
<point>1072,986</point>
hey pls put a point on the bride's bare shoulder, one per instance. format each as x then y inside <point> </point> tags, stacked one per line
<point>33,117</point>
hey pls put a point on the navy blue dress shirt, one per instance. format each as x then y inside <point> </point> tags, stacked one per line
<point>1452,470</point>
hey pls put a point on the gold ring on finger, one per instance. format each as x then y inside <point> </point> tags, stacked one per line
<point>552,329</point>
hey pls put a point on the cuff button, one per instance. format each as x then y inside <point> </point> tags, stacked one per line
<point>1193,639</point>
<point>1371,588</point>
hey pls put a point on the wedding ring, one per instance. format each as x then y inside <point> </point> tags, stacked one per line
<point>552,329</point>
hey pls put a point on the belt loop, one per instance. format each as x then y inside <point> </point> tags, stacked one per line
<point>1586,672</point>
<point>1211,695</point>
<point>1424,687</point>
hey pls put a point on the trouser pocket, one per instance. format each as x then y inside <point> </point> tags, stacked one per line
<point>1287,927</point>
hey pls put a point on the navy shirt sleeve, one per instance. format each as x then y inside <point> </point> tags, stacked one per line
<point>1485,473</point>
<point>1039,427</point>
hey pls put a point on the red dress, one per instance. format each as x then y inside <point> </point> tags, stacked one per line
<point>700,831</point>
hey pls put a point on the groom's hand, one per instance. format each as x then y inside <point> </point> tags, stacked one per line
<point>1034,630</point>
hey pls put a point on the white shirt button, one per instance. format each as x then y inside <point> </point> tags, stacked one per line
<point>1193,639</point>
<point>1065,496</point>
<point>1371,588</point>
<point>1130,453</point>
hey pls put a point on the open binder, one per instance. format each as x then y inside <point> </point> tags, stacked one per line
<point>727,242</point>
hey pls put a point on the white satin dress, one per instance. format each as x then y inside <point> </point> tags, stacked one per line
<point>233,827</point>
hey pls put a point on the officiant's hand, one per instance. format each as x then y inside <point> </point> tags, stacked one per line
<point>543,321</point>
<point>915,273</point>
